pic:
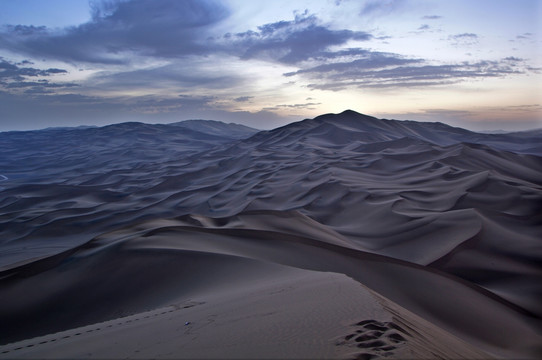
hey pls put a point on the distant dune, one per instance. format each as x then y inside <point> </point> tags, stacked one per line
<point>342,236</point>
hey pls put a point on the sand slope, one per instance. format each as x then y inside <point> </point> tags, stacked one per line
<point>442,224</point>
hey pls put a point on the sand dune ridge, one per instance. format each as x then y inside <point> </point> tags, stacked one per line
<point>397,206</point>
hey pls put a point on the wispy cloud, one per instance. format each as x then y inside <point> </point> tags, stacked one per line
<point>353,69</point>
<point>463,39</point>
<point>431,17</point>
<point>524,36</point>
<point>177,75</point>
<point>381,7</point>
<point>243,98</point>
<point>308,105</point>
<point>380,70</point>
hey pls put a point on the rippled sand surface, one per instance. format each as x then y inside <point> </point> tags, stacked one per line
<point>341,236</point>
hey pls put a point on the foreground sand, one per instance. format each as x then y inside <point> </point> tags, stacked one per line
<point>260,293</point>
<point>289,313</point>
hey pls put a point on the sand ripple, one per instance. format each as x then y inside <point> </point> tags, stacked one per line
<point>440,227</point>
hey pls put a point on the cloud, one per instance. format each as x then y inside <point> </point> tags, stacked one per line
<point>309,106</point>
<point>385,37</point>
<point>431,17</point>
<point>293,41</point>
<point>463,39</point>
<point>464,36</point>
<point>243,98</point>
<point>381,7</point>
<point>524,36</point>
<point>384,70</point>
<point>26,30</point>
<point>14,78</point>
<point>353,69</point>
<point>513,59</point>
<point>11,71</point>
<point>424,27</point>
<point>167,28</point>
<point>173,76</point>
<point>338,54</point>
<point>36,84</point>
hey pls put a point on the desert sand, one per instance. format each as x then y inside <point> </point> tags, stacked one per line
<point>342,236</point>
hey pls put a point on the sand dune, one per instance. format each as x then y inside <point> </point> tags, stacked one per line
<point>442,225</point>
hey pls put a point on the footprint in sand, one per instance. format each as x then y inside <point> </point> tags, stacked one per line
<point>377,339</point>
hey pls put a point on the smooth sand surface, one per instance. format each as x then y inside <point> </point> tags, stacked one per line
<point>292,314</point>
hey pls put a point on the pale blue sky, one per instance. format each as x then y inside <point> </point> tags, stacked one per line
<point>474,64</point>
<point>51,13</point>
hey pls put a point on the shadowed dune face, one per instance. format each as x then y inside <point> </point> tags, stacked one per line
<point>443,221</point>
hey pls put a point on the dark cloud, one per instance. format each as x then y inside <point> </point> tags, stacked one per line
<point>243,98</point>
<point>173,29</point>
<point>26,30</point>
<point>166,28</point>
<point>424,27</point>
<point>14,72</point>
<point>293,41</point>
<point>13,77</point>
<point>7,66</point>
<point>41,84</point>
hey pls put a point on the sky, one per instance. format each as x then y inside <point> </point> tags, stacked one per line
<point>473,64</point>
